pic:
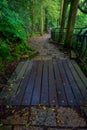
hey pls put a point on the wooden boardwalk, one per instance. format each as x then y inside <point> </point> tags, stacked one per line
<point>57,82</point>
<point>37,128</point>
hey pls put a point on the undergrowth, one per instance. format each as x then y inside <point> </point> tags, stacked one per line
<point>13,40</point>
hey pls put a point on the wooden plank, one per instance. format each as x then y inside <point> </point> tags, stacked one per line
<point>79,71</point>
<point>44,91</point>
<point>73,84</point>
<point>37,86</point>
<point>16,72</point>
<point>29,128</point>
<point>30,85</point>
<point>52,86</point>
<point>6,128</point>
<point>82,129</point>
<point>14,84</point>
<point>66,84</point>
<point>53,129</point>
<point>19,128</point>
<point>17,83</point>
<point>60,129</point>
<point>12,78</point>
<point>80,84</point>
<point>20,93</point>
<point>62,100</point>
<point>22,72</point>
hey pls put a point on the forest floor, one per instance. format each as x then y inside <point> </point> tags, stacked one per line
<point>28,117</point>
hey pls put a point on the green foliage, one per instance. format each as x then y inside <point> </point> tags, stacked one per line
<point>22,8</point>
<point>52,12</point>
<point>19,18</point>
<point>5,51</point>
<point>11,26</point>
<point>30,12</point>
<point>1,65</point>
<point>22,49</point>
<point>81,20</point>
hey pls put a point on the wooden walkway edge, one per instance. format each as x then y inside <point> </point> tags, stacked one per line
<point>37,128</point>
<point>57,82</point>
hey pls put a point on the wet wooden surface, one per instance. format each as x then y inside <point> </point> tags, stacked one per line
<point>36,128</point>
<point>57,82</point>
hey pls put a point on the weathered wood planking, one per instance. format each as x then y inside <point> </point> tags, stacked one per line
<point>44,88</point>
<point>17,99</point>
<point>17,83</point>
<point>16,72</point>
<point>37,86</point>
<point>24,128</point>
<point>6,128</point>
<point>58,82</point>
<point>20,127</point>
<point>62,100</point>
<point>79,82</point>
<point>45,128</point>
<point>13,80</point>
<point>66,84</point>
<point>73,84</point>
<point>59,129</point>
<point>52,86</point>
<point>30,85</point>
<point>80,73</point>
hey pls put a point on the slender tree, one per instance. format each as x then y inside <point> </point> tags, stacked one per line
<point>46,20</point>
<point>64,12</point>
<point>71,23</point>
<point>63,19</point>
<point>41,20</point>
<point>61,10</point>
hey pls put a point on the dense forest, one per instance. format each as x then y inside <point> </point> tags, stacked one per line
<point>20,20</point>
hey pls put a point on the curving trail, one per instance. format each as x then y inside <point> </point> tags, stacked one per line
<point>46,49</point>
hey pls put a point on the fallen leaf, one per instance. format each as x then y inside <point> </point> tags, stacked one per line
<point>27,125</point>
<point>44,108</point>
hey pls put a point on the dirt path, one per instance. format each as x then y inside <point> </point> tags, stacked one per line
<point>46,49</point>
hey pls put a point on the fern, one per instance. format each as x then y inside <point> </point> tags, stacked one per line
<point>11,24</point>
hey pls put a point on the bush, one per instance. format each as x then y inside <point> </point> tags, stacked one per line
<point>5,51</point>
<point>22,49</point>
<point>1,65</point>
<point>11,26</point>
<point>13,45</point>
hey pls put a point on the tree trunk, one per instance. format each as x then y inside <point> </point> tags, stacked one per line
<point>71,23</point>
<point>46,20</point>
<point>61,10</point>
<point>32,16</point>
<point>63,19</point>
<point>41,21</point>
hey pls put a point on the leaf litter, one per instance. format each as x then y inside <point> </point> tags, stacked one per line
<point>42,116</point>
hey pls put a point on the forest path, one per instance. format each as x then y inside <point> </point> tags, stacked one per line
<point>36,104</point>
<point>46,49</point>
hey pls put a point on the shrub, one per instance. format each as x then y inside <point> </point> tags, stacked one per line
<point>5,51</point>
<point>22,49</point>
<point>11,25</point>
<point>1,65</point>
